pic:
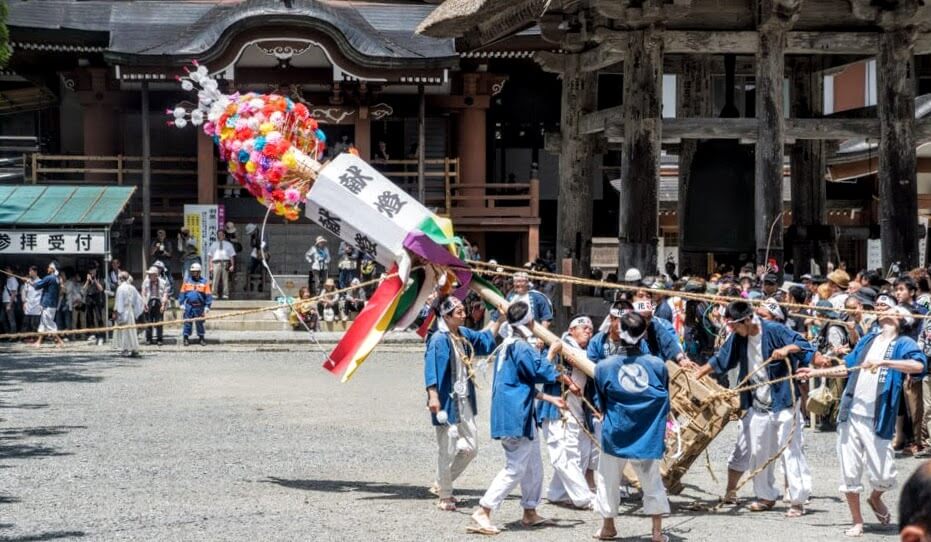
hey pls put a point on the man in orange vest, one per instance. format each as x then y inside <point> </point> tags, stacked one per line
<point>195,300</point>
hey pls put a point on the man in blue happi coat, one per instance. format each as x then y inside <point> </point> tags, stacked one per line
<point>448,378</point>
<point>759,349</point>
<point>878,368</point>
<point>633,391</point>
<point>518,368</point>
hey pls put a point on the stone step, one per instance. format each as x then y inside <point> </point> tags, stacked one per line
<point>229,324</point>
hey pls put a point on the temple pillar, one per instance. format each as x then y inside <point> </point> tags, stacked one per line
<point>808,168</point>
<point>693,99</point>
<point>898,183</point>
<point>100,120</point>
<point>574,208</point>
<point>363,133</point>
<point>640,167</point>
<point>206,170</point>
<point>770,75</point>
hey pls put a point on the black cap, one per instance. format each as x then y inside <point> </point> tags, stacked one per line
<point>818,279</point>
<point>771,278</point>
<point>866,296</point>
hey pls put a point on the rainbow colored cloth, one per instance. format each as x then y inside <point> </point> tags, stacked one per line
<point>397,302</point>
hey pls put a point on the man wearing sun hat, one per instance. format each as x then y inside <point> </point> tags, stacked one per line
<point>770,408</point>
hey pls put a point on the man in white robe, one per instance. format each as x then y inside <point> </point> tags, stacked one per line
<point>127,307</point>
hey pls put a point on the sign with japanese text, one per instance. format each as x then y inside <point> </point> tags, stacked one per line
<point>356,203</point>
<point>51,242</point>
<point>203,221</point>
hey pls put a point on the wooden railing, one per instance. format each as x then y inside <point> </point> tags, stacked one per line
<point>119,169</point>
<point>173,177</point>
<point>494,200</point>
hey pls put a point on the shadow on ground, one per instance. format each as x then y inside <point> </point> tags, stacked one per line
<point>17,371</point>
<point>51,535</point>
<point>384,491</point>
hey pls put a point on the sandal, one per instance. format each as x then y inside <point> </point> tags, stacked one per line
<point>446,505</point>
<point>730,498</point>
<point>884,519</point>
<point>662,538</point>
<point>795,512</point>
<point>855,532</point>
<point>478,529</point>
<point>762,506</point>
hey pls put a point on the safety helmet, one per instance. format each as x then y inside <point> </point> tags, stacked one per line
<point>195,267</point>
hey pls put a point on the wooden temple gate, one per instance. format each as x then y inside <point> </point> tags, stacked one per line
<point>798,40</point>
<point>788,45</point>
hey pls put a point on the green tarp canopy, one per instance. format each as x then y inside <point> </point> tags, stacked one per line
<point>33,205</point>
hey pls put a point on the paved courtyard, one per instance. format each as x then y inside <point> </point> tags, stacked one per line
<point>211,444</point>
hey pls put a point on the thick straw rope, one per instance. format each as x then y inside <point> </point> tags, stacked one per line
<point>489,269</point>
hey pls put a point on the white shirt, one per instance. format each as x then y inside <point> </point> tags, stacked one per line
<point>10,289</point>
<point>222,251</point>
<point>32,301</point>
<point>864,395</point>
<point>762,399</point>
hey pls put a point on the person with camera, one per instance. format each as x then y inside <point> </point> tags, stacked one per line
<point>187,249</point>
<point>94,301</point>
<point>155,291</point>
<point>161,248</point>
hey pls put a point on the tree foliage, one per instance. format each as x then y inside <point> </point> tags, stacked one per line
<point>5,50</point>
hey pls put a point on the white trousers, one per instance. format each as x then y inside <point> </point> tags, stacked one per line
<point>457,446</point>
<point>792,460</point>
<point>608,482</point>
<point>858,445</point>
<point>524,467</point>
<point>566,444</point>
<point>767,433</point>
<point>47,320</point>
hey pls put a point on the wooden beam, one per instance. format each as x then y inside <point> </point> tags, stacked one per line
<point>574,212</point>
<point>897,176</point>
<point>640,163</point>
<point>610,121</point>
<point>746,42</point>
<point>775,19</point>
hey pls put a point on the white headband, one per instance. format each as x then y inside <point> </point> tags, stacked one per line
<point>581,321</point>
<point>631,340</point>
<point>886,300</point>
<point>772,306</point>
<point>643,306</point>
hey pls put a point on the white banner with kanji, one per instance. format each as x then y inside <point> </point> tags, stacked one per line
<point>203,221</point>
<point>51,242</point>
<point>356,203</point>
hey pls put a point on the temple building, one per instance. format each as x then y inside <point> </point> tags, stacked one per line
<point>540,126</point>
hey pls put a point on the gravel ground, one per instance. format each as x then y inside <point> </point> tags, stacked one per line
<point>233,445</point>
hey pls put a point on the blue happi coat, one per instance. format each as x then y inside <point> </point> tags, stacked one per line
<point>438,367</point>
<point>634,396</point>
<point>734,354</point>
<point>890,382</point>
<point>50,287</point>
<point>516,373</point>
<point>540,305</point>
<point>661,340</point>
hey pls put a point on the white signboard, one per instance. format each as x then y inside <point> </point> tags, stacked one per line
<point>359,205</point>
<point>203,221</point>
<point>52,242</point>
<point>923,242</point>
<point>874,254</point>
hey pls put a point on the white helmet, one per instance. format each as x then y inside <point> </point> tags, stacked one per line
<point>195,267</point>
<point>632,275</point>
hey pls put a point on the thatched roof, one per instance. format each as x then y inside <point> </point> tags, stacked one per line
<point>452,18</point>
